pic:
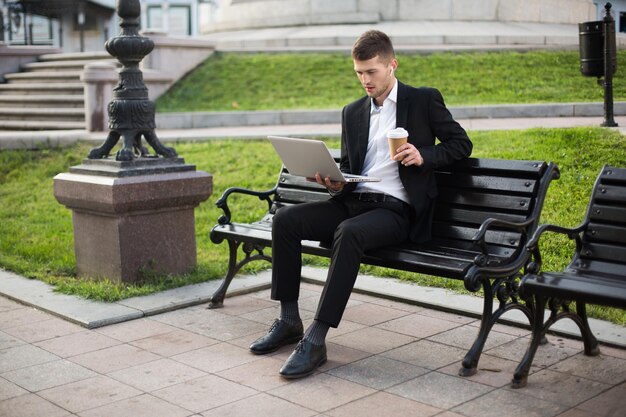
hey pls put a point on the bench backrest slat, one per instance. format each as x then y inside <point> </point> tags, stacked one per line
<point>603,250</point>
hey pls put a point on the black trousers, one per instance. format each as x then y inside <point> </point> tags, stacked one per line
<point>353,226</point>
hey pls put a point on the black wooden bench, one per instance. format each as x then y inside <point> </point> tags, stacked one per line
<point>485,212</point>
<point>595,275</point>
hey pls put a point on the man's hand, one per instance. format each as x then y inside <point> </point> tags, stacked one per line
<point>326,182</point>
<point>408,155</point>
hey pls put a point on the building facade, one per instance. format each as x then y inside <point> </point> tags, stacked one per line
<point>85,25</point>
<point>245,14</point>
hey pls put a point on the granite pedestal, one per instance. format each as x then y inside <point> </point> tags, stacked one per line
<point>132,219</point>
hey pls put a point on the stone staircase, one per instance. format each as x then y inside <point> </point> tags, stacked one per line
<point>48,94</point>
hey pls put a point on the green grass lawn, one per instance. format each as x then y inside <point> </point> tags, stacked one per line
<point>231,81</point>
<point>36,237</point>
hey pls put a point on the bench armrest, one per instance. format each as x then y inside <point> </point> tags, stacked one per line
<point>479,237</point>
<point>532,247</point>
<point>222,202</point>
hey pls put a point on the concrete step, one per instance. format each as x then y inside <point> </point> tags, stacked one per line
<point>64,100</point>
<point>43,77</point>
<point>73,56</point>
<point>42,114</point>
<point>42,88</point>
<point>40,125</point>
<point>70,65</point>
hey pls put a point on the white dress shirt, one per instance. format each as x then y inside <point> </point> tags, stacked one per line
<point>378,162</point>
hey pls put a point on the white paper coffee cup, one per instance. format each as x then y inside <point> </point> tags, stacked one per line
<point>396,138</point>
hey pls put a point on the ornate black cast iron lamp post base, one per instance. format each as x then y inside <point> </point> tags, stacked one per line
<point>131,113</point>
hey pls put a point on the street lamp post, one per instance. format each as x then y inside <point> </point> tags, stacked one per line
<point>131,113</point>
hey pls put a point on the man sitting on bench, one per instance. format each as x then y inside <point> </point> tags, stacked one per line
<point>367,215</point>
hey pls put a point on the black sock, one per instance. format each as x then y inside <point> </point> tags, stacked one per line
<point>289,312</point>
<point>316,333</point>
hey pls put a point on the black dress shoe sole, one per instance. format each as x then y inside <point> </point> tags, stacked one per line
<point>302,375</point>
<point>290,341</point>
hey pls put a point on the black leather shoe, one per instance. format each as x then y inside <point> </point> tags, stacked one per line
<point>280,334</point>
<point>305,358</point>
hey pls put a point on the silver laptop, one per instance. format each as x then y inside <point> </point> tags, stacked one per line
<point>306,157</point>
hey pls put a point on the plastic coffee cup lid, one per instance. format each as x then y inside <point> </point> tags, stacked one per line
<point>397,133</point>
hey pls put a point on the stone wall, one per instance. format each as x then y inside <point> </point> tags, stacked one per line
<point>244,14</point>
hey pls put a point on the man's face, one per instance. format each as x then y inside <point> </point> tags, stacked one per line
<point>376,76</point>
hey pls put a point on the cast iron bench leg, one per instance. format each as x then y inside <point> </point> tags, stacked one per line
<point>520,377</point>
<point>217,299</point>
<point>591,343</point>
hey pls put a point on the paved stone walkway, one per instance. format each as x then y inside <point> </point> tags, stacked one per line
<point>386,358</point>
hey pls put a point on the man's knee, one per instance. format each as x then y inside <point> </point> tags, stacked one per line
<point>349,231</point>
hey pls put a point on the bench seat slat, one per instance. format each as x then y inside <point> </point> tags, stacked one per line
<point>598,268</point>
<point>591,289</point>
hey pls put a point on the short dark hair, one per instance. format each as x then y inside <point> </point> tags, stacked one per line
<point>371,44</point>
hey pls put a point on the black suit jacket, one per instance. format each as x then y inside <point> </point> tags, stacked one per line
<point>422,112</point>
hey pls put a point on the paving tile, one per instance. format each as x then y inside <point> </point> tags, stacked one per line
<point>204,393</point>
<point>575,412</point>
<point>217,358</point>
<point>243,304</point>
<point>311,303</point>
<point>22,356</point>
<point>141,406</point>
<point>503,328</point>
<point>378,372</point>
<point>9,390</point>
<point>135,329</point>
<point>606,369</point>
<point>43,330</point>
<point>261,375</point>
<point>7,341</point>
<point>30,405</point>
<point>411,308</point>
<point>493,371</point>
<point>546,355</point>
<point>443,315</point>
<point>21,316</point>
<point>449,414</point>
<point>612,351</point>
<point>427,354</point>
<point>464,337</point>
<point>384,404</point>
<point>77,343</point>
<point>46,375</point>
<point>517,404</point>
<point>561,388</point>
<point>611,403</point>
<point>339,355</point>
<point>261,405</point>
<point>222,326</point>
<point>321,392</point>
<point>6,304</point>
<point>266,316</point>
<point>371,314</point>
<point>89,393</point>
<point>428,388</point>
<point>418,326</point>
<point>372,340</point>
<point>173,343</point>
<point>114,358</point>
<point>157,374</point>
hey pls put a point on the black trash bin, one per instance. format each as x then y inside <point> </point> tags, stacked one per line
<point>591,42</point>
